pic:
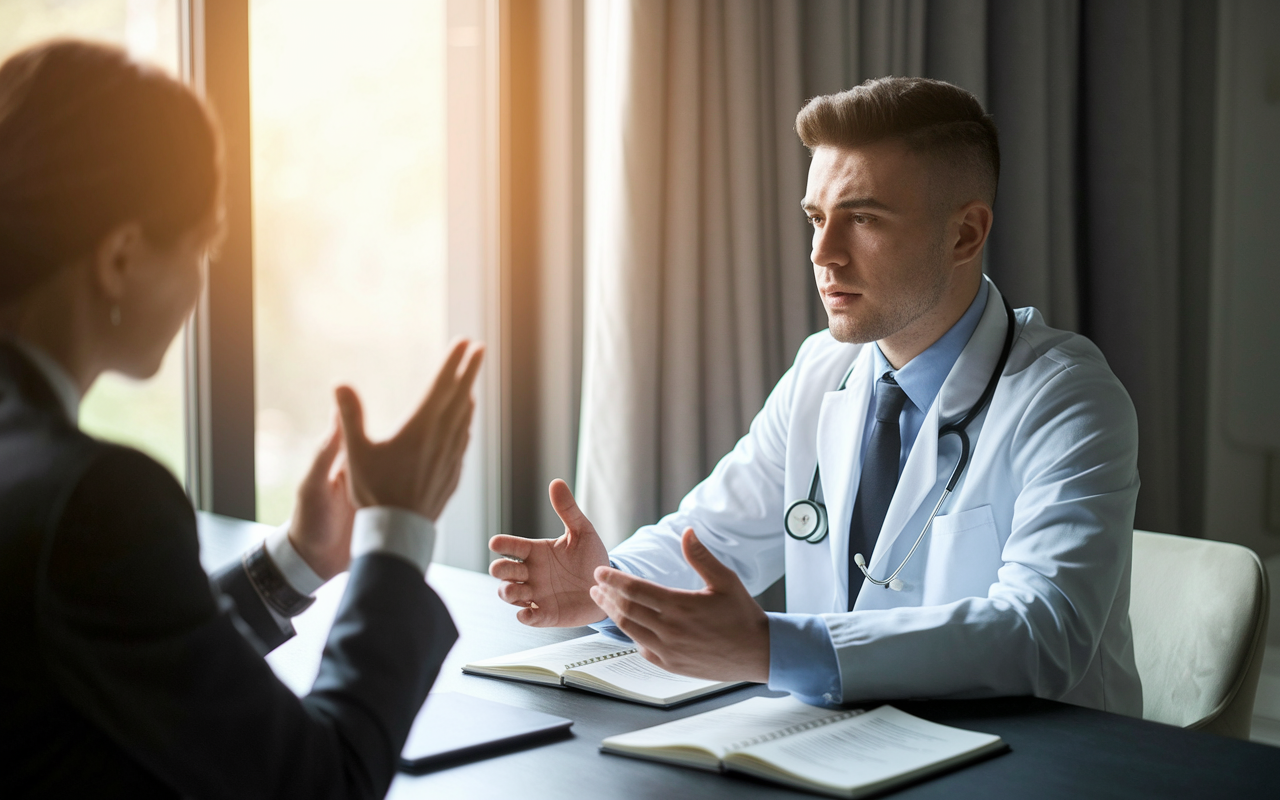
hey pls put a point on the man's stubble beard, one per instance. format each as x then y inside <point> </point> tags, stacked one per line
<point>928,288</point>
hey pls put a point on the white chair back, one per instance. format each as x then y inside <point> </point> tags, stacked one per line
<point>1199,615</point>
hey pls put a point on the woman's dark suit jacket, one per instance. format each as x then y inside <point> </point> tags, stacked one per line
<point>128,673</point>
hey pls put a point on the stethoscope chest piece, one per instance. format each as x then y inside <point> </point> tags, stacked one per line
<point>806,520</point>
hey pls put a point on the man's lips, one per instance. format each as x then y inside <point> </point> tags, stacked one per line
<point>838,299</point>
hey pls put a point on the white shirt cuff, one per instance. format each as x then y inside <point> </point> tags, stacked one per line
<point>403,533</point>
<point>300,576</point>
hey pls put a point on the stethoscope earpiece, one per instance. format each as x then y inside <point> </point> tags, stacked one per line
<point>806,519</point>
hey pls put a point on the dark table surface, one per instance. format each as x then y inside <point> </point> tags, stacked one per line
<point>1057,750</point>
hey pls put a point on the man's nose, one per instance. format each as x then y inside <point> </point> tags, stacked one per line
<point>828,249</point>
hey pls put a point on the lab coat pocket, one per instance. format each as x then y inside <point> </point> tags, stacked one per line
<point>964,556</point>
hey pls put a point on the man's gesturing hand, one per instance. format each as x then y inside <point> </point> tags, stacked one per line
<point>552,579</point>
<point>418,468</point>
<point>717,633</point>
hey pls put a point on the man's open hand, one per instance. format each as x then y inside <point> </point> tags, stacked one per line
<point>716,633</point>
<point>551,582</point>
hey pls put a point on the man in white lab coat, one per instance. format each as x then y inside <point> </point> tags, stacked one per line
<point>1020,583</point>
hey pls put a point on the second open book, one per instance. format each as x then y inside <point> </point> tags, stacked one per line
<point>842,753</point>
<point>602,664</point>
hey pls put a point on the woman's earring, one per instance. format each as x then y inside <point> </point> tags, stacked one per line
<point>115,316</point>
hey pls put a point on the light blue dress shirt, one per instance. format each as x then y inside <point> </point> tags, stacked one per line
<point>802,659</point>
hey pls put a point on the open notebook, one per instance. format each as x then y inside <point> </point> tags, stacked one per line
<point>599,663</point>
<point>848,753</point>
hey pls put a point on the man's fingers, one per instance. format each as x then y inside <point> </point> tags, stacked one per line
<point>514,546</point>
<point>646,638</point>
<point>504,569</point>
<point>621,608</point>
<point>715,574</point>
<point>567,508</point>
<point>533,617</point>
<point>638,590</point>
<point>517,594</point>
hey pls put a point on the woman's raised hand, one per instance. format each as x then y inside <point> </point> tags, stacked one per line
<point>418,468</point>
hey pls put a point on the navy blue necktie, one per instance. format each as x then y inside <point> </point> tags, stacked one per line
<point>879,479</point>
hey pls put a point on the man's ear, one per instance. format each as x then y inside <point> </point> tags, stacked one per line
<point>973,225</point>
<point>115,258</point>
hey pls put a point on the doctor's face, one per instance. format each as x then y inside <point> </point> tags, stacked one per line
<point>878,254</point>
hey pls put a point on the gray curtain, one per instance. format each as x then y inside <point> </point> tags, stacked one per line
<point>698,287</point>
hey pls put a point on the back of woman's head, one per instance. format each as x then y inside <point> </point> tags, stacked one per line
<point>90,140</point>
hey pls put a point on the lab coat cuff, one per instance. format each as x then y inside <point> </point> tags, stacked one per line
<point>396,531</point>
<point>802,658</point>
<point>297,573</point>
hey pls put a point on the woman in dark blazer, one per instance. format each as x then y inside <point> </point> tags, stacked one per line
<point>127,671</point>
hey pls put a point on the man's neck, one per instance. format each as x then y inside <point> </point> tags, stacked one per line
<point>917,337</point>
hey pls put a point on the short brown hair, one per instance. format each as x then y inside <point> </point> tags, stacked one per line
<point>90,140</point>
<point>929,116</point>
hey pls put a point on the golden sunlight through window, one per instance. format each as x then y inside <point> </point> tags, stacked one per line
<point>348,115</point>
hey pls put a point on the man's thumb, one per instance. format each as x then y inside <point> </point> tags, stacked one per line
<point>715,574</point>
<point>575,522</point>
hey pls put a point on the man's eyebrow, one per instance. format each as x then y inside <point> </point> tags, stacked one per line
<point>849,203</point>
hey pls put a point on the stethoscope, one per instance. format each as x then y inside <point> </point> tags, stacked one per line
<point>806,519</point>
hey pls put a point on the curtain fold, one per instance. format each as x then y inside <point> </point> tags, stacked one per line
<point>698,285</point>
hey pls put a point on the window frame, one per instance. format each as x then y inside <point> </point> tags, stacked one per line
<point>219,359</point>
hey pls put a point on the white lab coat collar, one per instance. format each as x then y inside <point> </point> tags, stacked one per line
<point>969,376</point>
<point>63,385</point>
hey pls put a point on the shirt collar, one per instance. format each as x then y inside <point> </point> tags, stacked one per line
<point>922,377</point>
<point>63,385</point>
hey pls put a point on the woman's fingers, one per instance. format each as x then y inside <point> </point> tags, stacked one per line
<point>454,378</point>
<point>420,466</point>
<point>322,466</point>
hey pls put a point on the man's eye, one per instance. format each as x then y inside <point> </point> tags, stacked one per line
<point>813,220</point>
<point>861,219</point>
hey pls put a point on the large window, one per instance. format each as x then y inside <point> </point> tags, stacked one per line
<point>341,155</point>
<point>147,415</point>
<point>348,111</point>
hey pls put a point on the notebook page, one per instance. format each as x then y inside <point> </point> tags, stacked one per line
<point>556,656</point>
<point>868,749</point>
<point>718,730</point>
<point>634,674</point>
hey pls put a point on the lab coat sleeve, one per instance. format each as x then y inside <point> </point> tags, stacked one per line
<point>1073,457</point>
<point>734,511</point>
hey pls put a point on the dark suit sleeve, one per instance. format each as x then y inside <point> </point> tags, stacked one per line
<point>260,627</point>
<point>138,642</point>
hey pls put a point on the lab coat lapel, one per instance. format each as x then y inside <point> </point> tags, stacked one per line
<point>916,482</point>
<point>961,389</point>
<point>840,425</point>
